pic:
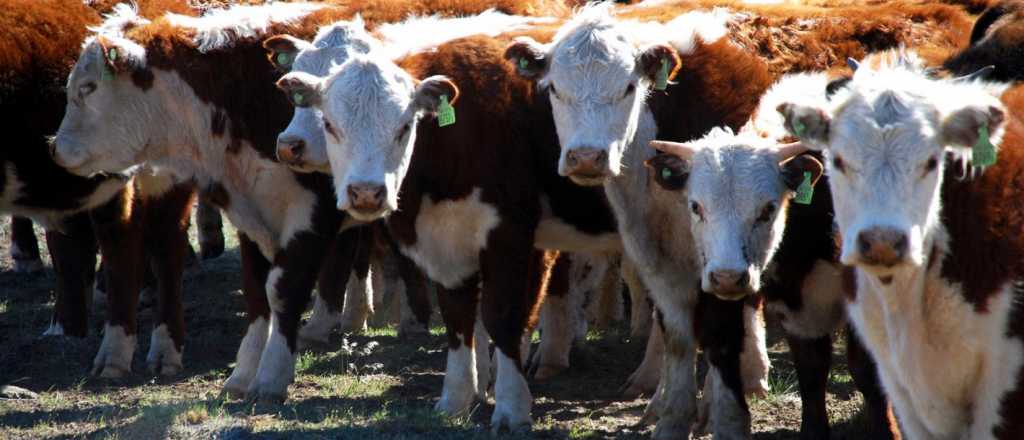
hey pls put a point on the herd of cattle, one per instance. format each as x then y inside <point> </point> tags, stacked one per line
<point>832,163</point>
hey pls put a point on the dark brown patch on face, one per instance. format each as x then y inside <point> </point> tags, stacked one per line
<point>886,279</point>
<point>142,78</point>
<point>217,195</point>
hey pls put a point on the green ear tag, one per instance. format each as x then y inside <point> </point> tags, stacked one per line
<point>283,59</point>
<point>666,173</point>
<point>112,54</point>
<point>297,97</point>
<point>445,113</point>
<point>798,128</point>
<point>805,192</point>
<point>661,80</point>
<point>984,153</point>
<point>523,63</point>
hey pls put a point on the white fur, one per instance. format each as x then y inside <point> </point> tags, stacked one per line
<point>277,303</point>
<point>321,322</point>
<point>449,237</point>
<point>114,358</point>
<point>754,363</point>
<point>122,17</point>
<point>460,382</point>
<point>55,329</point>
<point>797,88</point>
<point>219,28</point>
<point>512,399</point>
<point>163,357</point>
<point>417,34</point>
<point>248,358</point>
<point>822,304</point>
<point>277,367</point>
<point>481,341</point>
<point>358,304</point>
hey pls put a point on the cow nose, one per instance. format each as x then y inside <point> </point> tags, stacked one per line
<point>586,162</point>
<point>729,280</point>
<point>366,197</point>
<point>290,149</point>
<point>882,246</point>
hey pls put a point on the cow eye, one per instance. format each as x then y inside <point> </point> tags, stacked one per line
<point>766,213</point>
<point>629,90</point>
<point>402,132</point>
<point>554,92</point>
<point>85,89</point>
<point>330,129</point>
<point>697,210</point>
<point>838,164</point>
<point>930,165</point>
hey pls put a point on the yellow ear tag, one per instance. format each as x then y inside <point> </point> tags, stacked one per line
<point>445,113</point>
<point>661,80</point>
<point>804,192</point>
<point>984,153</point>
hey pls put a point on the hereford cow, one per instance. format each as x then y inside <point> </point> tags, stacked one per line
<point>224,139</point>
<point>996,40</point>
<point>937,258</point>
<point>748,192</point>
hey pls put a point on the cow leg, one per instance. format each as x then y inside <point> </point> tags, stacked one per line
<point>640,313</point>
<point>514,281</point>
<point>556,325</point>
<point>484,365</point>
<point>674,403</point>
<point>461,380</point>
<point>720,332</point>
<point>289,287</point>
<point>73,253</point>
<point>415,315</point>
<point>644,381</point>
<point>166,226</point>
<point>255,268</point>
<point>24,246</point>
<point>865,375</point>
<point>119,231</point>
<point>330,299</point>
<point>210,229</point>
<point>359,291</point>
<point>812,358</point>
<point>754,362</point>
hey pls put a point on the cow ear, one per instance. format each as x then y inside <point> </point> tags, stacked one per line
<point>964,127</point>
<point>809,124</point>
<point>119,55</point>
<point>282,50</point>
<point>793,170</point>
<point>302,89</point>
<point>429,93</point>
<point>669,171</point>
<point>659,60</point>
<point>529,56</point>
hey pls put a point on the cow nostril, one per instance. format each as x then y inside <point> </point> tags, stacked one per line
<point>378,195</point>
<point>863,244</point>
<point>901,244</point>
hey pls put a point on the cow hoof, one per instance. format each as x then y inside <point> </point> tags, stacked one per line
<point>501,423</point>
<point>452,408</point>
<point>55,329</point>
<point>547,371</point>
<point>670,429</point>
<point>651,413</point>
<point>265,395</point>
<point>110,371</point>
<point>28,265</point>
<point>234,388</point>
<point>164,368</point>
<point>209,250</point>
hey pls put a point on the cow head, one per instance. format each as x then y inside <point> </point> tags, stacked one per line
<point>735,189</point>
<point>370,109</point>
<point>597,79</point>
<point>885,136</point>
<point>107,96</point>
<point>301,145</point>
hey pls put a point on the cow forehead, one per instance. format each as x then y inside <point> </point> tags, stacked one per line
<point>368,94</point>
<point>735,177</point>
<point>885,126</point>
<point>593,54</point>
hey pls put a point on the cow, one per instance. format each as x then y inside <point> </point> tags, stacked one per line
<point>936,260</point>
<point>224,140</point>
<point>996,40</point>
<point>743,180</point>
<point>24,246</point>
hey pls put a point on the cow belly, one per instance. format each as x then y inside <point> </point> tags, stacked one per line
<point>552,233</point>
<point>449,237</point>
<point>946,371</point>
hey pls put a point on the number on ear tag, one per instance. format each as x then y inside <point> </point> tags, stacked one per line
<point>805,192</point>
<point>984,153</point>
<point>661,80</point>
<point>445,113</point>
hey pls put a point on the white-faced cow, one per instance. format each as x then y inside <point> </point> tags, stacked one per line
<point>937,250</point>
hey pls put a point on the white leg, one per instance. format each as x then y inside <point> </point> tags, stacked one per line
<point>114,358</point>
<point>481,344</point>
<point>728,419</point>
<point>358,305</point>
<point>512,399</point>
<point>55,329</point>
<point>644,381</point>
<point>460,382</point>
<point>321,322</point>
<point>556,335</point>
<point>754,363</point>
<point>674,405</point>
<point>276,368</point>
<point>248,359</point>
<point>640,313</point>
<point>163,357</point>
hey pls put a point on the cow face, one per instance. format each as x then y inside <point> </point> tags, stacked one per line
<point>302,145</point>
<point>735,190</point>
<point>885,136</point>
<point>597,79</point>
<point>107,96</point>
<point>370,109</point>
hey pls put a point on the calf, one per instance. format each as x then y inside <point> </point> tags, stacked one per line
<point>746,188</point>
<point>937,259</point>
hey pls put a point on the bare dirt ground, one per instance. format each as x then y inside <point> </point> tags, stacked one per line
<point>360,386</point>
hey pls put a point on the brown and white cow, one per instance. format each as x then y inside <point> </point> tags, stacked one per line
<point>996,40</point>
<point>937,256</point>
